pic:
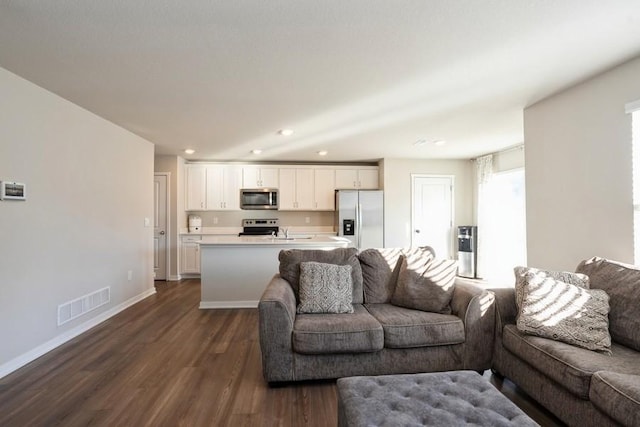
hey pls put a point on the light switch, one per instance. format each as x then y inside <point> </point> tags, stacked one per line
<point>147,222</point>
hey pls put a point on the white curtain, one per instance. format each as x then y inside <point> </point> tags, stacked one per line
<point>484,172</point>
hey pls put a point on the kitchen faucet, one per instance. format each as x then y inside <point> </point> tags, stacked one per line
<point>285,231</point>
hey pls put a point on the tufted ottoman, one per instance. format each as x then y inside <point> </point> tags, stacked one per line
<point>457,398</point>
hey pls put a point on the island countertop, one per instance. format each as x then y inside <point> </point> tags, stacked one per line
<point>293,241</point>
<point>235,270</point>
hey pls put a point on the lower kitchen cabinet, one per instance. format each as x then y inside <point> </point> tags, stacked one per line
<point>190,259</point>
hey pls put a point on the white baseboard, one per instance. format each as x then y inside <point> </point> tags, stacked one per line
<point>228,304</point>
<point>30,356</point>
<point>173,278</point>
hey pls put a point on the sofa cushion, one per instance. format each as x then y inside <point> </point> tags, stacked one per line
<point>576,279</point>
<point>404,327</point>
<point>564,312</point>
<point>425,284</point>
<point>622,284</point>
<point>337,333</point>
<point>569,366</point>
<point>380,268</point>
<point>325,288</point>
<point>290,260</point>
<point>617,395</point>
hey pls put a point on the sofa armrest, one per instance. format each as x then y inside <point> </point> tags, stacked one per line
<point>506,312</point>
<point>476,307</point>
<point>276,315</point>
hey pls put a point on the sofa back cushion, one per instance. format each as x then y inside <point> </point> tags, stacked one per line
<point>381,267</point>
<point>290,260</point>
<point>622,284</point>
<point>379,273</point>
<point>425,284</point>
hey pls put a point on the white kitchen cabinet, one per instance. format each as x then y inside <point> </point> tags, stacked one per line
<point>223,188</point>
<point>361,178</point>
<point>190,259</point>
<point>259,177</point>
<point>324,184</point>
<point>196,186</point>
<point>296,189</point>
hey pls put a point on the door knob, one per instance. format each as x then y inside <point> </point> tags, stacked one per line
<point>162,233</point>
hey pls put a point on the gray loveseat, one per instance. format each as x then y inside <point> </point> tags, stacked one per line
<point>581,387</point>
<point>378,338</point>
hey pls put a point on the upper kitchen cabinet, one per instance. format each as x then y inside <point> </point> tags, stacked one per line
<point>296,189</point>
<point>365,178</point>
<point>324,184</point>
<point>196,183</point>
<point>223,188</point>
<point>259,177</point>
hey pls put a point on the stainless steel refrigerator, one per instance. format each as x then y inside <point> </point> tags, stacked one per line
<point>360,217</point>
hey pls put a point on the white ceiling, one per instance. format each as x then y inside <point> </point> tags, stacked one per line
<point>363,79</point>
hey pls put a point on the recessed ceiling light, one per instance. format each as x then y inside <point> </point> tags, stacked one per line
<point>322,153</point>
<point>420,142</point>
<point>189,151</point>
<point>285,132</point>
<point>256,151</point>
<point>439,142</point>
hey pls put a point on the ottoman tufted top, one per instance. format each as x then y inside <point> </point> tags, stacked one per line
<point>458,398</point>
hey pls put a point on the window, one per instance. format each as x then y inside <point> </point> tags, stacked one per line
<point>504,226</point>
<point>636,184</point>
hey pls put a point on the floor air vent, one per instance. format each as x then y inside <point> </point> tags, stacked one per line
<point>79,306</point>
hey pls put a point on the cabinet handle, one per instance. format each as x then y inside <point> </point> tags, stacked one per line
<point>202,204</point>
<point>359,184</point>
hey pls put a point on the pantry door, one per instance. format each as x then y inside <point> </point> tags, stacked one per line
<point>160,222</point>
<point>432,213</point>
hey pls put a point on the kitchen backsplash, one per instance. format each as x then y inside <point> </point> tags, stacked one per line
<point>287,218</point>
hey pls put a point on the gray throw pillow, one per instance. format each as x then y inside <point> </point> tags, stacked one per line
<point>581,280</point>
<point>564,312</point>
<point>425,284</point>
<point>325,288</point>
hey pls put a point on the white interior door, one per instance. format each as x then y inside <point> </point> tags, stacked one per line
<point>160,227</point>
<point>432,213</point>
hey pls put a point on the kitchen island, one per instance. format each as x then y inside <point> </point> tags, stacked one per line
<point>235,270</point>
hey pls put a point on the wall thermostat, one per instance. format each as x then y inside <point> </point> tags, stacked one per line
<point>12,191</point>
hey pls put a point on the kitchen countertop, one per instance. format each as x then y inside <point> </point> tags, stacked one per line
<point>215,231</point>
<point>299,241</point>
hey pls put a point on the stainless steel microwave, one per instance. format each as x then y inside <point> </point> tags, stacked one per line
<point>259,198</point>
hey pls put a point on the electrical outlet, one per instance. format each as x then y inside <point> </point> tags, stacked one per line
<point>215,219</point>
<point>129,275</point>
<point>307,220</point>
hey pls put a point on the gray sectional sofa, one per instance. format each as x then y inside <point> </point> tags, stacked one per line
<point>378,337</point>
<point>581,387</point>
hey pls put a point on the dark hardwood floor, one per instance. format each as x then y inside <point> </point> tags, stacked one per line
<point>164,362</point>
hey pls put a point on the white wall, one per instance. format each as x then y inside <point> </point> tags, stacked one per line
<point>89,188</point>
<point>396,179</point>
<point>578,172</point>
